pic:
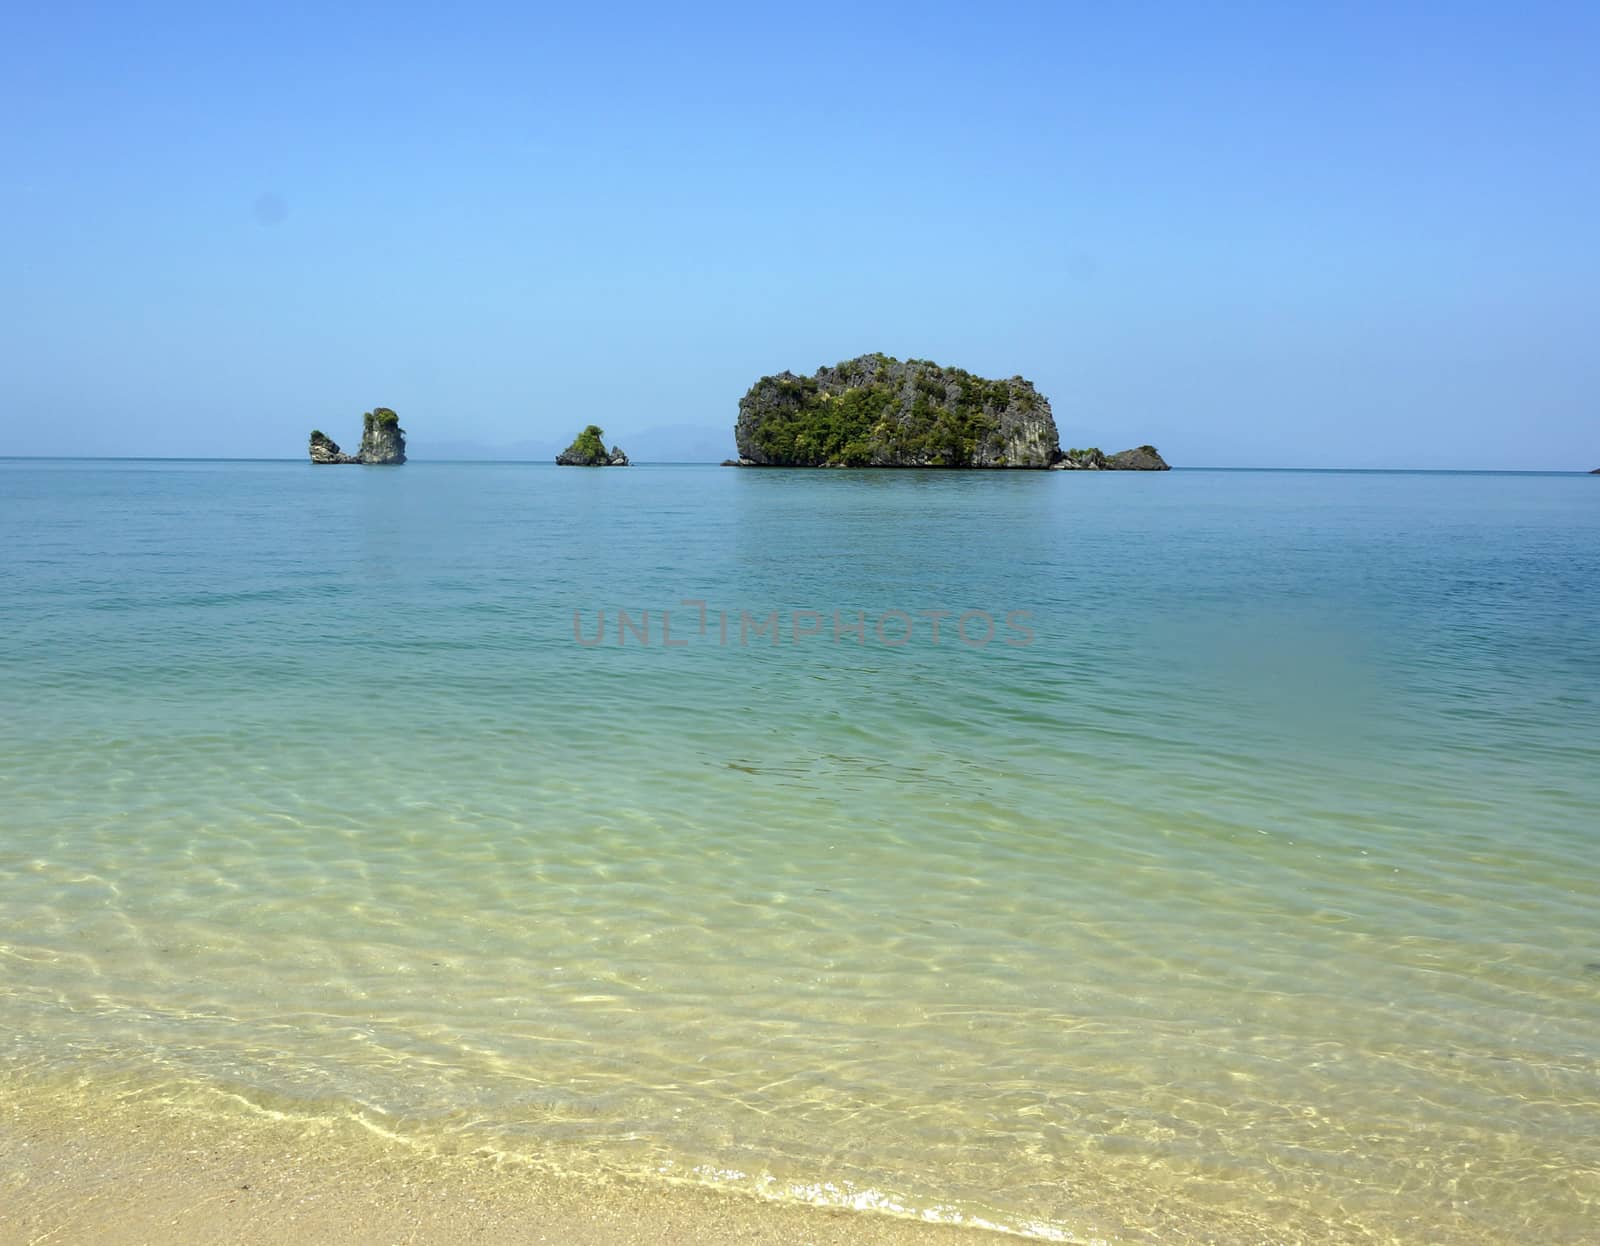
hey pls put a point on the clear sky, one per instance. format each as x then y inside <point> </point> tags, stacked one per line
<point>1275,234</point>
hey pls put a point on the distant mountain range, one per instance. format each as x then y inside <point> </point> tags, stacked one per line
<point>663,443</point>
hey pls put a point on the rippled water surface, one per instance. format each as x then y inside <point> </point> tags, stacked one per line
<point>1253,900</point>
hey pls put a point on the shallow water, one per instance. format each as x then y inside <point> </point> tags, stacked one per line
<point>1253,899</point>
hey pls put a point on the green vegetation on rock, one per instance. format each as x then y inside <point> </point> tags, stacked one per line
<point>875,411</point>
<point>588,449</point>
<point>589,444</point>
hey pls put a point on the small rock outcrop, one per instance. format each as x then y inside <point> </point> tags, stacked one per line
<point>1139,459</point>
<point>1090,460</point>
<point>326,450</point>
<point>588,449</point>
<point>383,441</point>
<point>876,411</point>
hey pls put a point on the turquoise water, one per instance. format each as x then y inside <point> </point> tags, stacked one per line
<point>1254,899</point>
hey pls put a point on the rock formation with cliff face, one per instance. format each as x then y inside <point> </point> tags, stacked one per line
<point>383,441</point>
<point>875,411</point>
<point>588,449</point>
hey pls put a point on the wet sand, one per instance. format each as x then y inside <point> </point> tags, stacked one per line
<point>128,1175</point>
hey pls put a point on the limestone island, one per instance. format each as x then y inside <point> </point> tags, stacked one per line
<point>588,449</point>
<point>1139,459</point>
<point>383,442</point>
<point>876,411</point>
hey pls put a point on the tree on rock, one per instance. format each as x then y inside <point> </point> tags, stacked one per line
<point>588,449</point>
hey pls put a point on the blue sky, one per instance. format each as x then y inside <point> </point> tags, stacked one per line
<point>1253,235</point>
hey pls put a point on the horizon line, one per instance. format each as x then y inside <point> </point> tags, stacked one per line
<point>1206,467</point>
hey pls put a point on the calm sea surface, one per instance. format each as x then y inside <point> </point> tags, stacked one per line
<point>1251,893</point>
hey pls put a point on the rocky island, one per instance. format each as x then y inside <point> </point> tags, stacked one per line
<point>588,449</point>
<point>383,442</point>
<point>877,411</point>
<point>326,450</point>
<point>1139,459</point>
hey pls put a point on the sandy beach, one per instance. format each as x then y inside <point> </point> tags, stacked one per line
<point>133,1174</point>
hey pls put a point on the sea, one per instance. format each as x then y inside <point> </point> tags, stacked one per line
<point>1196,856</point>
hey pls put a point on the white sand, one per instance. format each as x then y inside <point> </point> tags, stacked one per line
<point>130,1176</point>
